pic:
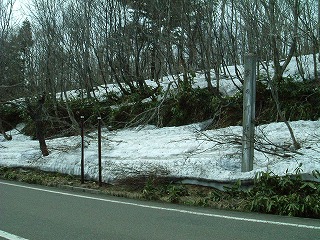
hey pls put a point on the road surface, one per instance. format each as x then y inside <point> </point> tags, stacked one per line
<point>36,212</point>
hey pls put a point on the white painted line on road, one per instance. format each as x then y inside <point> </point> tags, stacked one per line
<point>170,209</point>
<point>10,236</point>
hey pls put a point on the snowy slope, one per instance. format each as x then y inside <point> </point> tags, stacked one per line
<point>185,151</point>
<point>174,151</point>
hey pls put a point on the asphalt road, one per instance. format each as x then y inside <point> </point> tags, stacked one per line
<point>36,212</point>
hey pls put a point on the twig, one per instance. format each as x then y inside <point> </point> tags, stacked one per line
<point>261,144</point>
<point>153,111</point>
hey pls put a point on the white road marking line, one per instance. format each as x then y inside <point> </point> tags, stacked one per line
<point>170,209</point>
<point>10,236</point>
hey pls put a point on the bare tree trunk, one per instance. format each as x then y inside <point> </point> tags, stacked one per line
<point>74,123</point>
<point>271,9</point>
<point>36,114</point>
<point>274,92</point>
<point>315,63</point>
<point>6,136</point>
<point>273,15</point>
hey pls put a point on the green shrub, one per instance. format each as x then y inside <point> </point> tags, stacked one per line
<point>299,101</point>
<point>188,107</point>
<point>157,188</point>
<point>11,115</point>
<point>150,191</point>
<point>285,195</point>
<point>174,192</point>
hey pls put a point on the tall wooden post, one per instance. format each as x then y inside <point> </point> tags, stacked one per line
<point>99,151</point>
<point>82,149</point>
<point>249,99</point>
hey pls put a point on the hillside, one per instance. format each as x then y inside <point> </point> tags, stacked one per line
<point>193,151</point>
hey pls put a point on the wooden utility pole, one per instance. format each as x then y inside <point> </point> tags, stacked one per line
<point>249,100</point>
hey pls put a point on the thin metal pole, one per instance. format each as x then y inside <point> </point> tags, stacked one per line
<point>249,100</point>
<point>99,150</point>
<point>82,148</point>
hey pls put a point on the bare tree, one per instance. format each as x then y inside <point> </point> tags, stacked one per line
<point>6,7</point>
<point>5,17</point>
<point>309,35</point>
<point>36,114</point>
<point>82,44</point>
